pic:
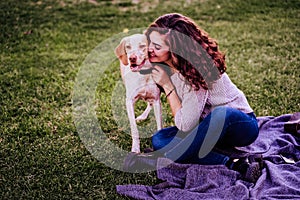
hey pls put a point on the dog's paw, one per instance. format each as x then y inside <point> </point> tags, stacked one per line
<point>135,150</point>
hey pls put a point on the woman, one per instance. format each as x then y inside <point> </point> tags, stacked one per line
<point>208,109</point>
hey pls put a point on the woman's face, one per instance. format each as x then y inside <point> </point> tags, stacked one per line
<point>158,50</point>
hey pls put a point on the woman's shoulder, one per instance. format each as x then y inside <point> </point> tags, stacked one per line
<point>177,78</point>
<point>223,81</point>
<point>183,86</point>
<point>224,87</point>
<point>180,81</point>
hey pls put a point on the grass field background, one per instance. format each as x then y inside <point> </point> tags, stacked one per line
<point>43,45</point>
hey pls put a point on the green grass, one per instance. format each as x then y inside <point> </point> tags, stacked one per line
<point>43,45</point>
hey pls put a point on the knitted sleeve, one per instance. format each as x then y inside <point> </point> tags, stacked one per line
<point>192,105</point>
<point>198,104</point>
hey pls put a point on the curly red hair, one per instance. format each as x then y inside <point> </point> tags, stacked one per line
<point>194,54</point>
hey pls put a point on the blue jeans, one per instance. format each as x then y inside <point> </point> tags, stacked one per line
<point>223,127</point>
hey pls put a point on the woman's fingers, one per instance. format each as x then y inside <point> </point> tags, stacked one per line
<point>160,76</point>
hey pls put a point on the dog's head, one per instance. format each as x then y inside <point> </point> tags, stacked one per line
<point>133,50</point>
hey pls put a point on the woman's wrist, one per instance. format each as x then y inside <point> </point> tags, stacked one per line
<point>168,94</point>
<point>168,88</point>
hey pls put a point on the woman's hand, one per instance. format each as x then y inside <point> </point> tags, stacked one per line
<point>161,78</point>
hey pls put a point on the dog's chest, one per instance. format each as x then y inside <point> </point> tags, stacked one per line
<point>140,86</point>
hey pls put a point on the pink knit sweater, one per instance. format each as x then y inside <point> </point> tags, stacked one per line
<point>198,104</point>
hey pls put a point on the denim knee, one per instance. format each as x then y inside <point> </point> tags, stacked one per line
<point>240,129</point>
<point>156,140</point>
<point>163,137</point>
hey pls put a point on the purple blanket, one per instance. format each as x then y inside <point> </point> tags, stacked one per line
<point>280,178</point>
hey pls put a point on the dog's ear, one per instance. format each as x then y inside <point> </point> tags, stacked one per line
<point>121,53</point>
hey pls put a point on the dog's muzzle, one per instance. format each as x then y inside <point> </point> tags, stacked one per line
<point>135,67</point>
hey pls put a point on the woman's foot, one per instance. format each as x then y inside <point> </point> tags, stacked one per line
<point>249,167</point>
<point>257,158</point>
<point>249,171</point>
<point>135,162</point>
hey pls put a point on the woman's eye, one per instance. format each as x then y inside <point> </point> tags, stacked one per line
<point>157,47</point>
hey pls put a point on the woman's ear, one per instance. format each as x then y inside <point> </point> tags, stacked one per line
<point>121,53</point>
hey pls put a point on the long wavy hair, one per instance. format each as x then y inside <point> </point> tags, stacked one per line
<point>194,53</point>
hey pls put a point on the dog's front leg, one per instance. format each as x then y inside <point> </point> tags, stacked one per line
<point>158,113</point>
<point>133,126</point>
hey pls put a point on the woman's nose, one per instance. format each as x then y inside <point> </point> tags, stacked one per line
<point>150,49</point>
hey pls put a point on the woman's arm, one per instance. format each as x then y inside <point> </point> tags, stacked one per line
<point>186,104</point>
<point>173,99</point>
<point>192,107</point>
<point>162,78</point>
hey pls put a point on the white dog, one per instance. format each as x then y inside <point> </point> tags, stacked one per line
<point>135,70</point>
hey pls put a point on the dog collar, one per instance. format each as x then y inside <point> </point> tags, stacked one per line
<point>146,71</point>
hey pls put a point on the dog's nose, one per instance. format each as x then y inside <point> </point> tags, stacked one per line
<point>132,58</point>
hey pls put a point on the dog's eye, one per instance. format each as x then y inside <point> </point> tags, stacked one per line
<point>128,47</point>
<point>142,46</point>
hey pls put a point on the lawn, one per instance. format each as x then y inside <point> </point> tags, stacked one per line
<point>44,47</point>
